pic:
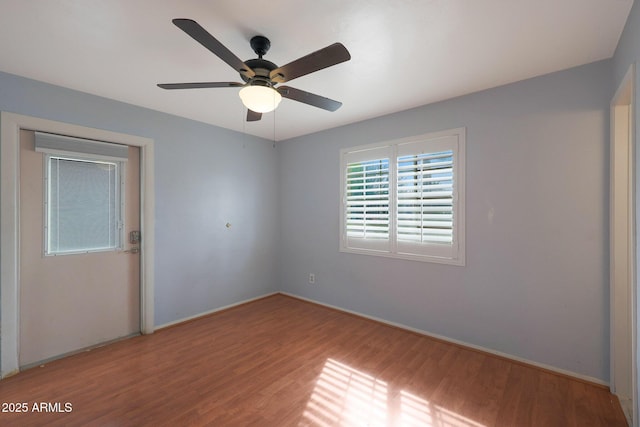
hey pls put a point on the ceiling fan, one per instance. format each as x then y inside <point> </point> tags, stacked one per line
<point>259,92</point>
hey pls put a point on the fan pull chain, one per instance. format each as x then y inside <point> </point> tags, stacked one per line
<point>274,128</point>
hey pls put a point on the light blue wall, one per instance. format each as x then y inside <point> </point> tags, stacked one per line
<point>535,284</point>
<point>627,54</point>
<point>205,176</point>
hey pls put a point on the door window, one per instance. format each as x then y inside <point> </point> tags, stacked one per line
<point>83,204</point>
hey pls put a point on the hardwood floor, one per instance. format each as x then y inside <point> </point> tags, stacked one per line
<point>280,361</point>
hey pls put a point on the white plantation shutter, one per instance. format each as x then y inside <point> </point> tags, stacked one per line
<point>405,198</point>
<point>425,197</point>
<point>366,199</point>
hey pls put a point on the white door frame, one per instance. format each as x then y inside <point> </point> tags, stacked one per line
<point>622,235</point>
<point>10,126</point>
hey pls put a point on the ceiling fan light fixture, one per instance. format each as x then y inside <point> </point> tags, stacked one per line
<point>260,75</point>
<point>261,99</point>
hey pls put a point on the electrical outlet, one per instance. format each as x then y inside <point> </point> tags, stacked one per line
<point>312,278</point>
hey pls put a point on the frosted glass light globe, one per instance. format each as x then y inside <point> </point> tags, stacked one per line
<point>261,99</point>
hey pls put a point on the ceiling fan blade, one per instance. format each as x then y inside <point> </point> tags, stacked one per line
<point>252,116</point>
<point>323,58</point>
<point>309,98</point>
<point>201,35</point>
<point>202,85</point>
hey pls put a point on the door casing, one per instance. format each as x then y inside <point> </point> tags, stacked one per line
<point>623,286</point>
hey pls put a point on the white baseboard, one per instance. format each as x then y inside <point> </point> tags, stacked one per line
<point>460,343</point>
<point>195,316</point>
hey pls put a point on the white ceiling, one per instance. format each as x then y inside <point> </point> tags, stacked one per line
<point>405,53</point>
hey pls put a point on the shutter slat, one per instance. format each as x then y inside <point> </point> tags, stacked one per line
<point>431,195</point>
<point>443,168</point>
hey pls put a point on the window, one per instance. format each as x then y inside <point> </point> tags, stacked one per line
<point>83,195</point>
<point>405,198</point>
<point>82,206</point>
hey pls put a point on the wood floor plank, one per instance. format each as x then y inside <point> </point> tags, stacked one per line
<point>552,407</point>
<point>518,401</point>
<point>284,362</point>
<point>486,392</point>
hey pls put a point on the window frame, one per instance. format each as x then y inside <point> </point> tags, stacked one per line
<point>120,200</point>
<point>433,142</point>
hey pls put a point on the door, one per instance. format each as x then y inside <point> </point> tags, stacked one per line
<point>73,299</point>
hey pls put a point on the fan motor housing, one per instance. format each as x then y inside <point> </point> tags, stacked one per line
<point>260,66</point>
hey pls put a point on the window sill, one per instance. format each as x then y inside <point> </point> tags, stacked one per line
<point>459,261</point>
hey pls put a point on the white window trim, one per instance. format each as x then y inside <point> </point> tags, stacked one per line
<point>457,256</point>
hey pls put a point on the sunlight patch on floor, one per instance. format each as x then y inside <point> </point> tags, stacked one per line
<point>415,411</point>
<point>344,396</point>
